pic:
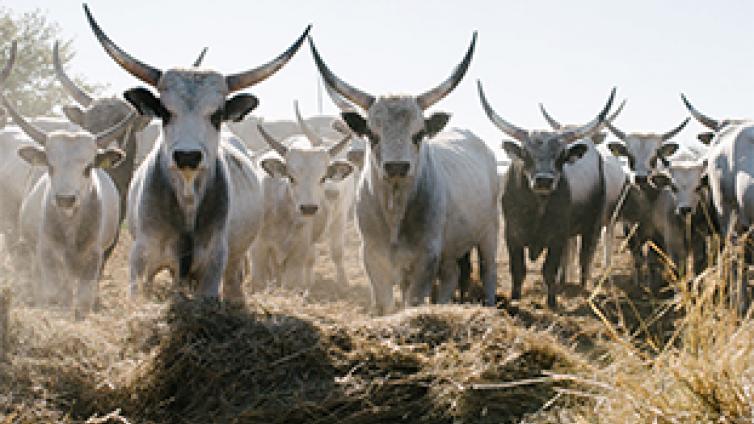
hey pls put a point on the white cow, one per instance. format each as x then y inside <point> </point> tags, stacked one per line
<point>308,194</point>
<point>73,208</point>
<point>425,198</point>
<point>194,205</point>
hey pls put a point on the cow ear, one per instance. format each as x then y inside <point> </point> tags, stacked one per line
<point>274,167</point>
<point>338,170</point>
<point>239,106</point>
<point>617,148</point>
<point>108,158</point>
<point>33,155</point>
<point>668,148</point>
<point>74,114</point>
<point>145,102</point>
<point>599,137</point>
<point>661,180</point>
<point>356,123</point>
<point>513,149</point>
<point>575,152</point>
<point>435,123</point>
<point>705,137</point>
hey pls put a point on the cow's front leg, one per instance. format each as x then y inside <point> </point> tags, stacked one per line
<point>381,279</point>
<point>550,273</point>
<point>88,283</point>
<point>422,275</point>
<point>209,272</point>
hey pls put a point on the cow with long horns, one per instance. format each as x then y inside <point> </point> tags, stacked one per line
<point>730,169</point>
<point>539,208</point>
<point>307,193</point>
<point>646,154</point>
<point>195,203</point>
<point>73,207</point>
<point>425,198</point>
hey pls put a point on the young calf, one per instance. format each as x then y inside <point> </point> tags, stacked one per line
<point>74,207</point>
<point>299,207</point>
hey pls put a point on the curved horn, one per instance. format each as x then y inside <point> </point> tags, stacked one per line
<point>198,62</point>
<point>242,80</point>
<point>705,120</point>
<point>5,73</point>
<point>316,141</point>
<point>596,123</point>
<point>31,130</point>
<point>550,120</point>
<point>510,129</point>
<point>672,133</point>
<point>276,145</point>
<point>617,112</point>
<point>75,91</point>
<point>140,70</point>
<point>337,147</point>
<point>342,104</point>
<point>358,97</point>
<point>436,94</point>
<point>105,137</point>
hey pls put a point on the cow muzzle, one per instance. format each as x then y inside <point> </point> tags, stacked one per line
<point>543,184</point>
<point>397,169</point>
<point>308,210</point>
<point>187,159</point>
<point>683,211</point>
<point>641,180</point>
<point>65,201</point>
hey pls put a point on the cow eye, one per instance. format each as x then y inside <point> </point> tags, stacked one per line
<point>217,118</point>
<point>417,138</point>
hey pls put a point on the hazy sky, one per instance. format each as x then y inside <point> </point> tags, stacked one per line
<point>567,54</point>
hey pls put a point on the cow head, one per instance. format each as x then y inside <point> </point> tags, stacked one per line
<point>596,138</point>
<point>644,150</point>
<point>307,166</point>
<point>69,158</point>
<point>544,153</point>
<point>192,103</point>
<point>688,181</point>
<point>394,125</point>
<point>4,74</point>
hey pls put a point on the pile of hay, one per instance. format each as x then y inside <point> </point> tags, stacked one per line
<point>279,359</point>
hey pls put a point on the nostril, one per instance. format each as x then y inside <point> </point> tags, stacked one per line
<point>187,158</point>
<point>640,179</point>
<point>308,209</point>
<point>64,201</point>
<point>396,169</point>
<point>543,182</point>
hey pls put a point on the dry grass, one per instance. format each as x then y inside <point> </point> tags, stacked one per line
<point>617,355</point>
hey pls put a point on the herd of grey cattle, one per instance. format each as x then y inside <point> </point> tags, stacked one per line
<point>200,200</point>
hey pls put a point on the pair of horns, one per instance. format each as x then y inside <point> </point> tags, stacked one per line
<point>365,100</point>
<point>557,126</point>
<point>152,75</point>
<point>665,136</point>
<point>310,135</point>
<point>522,135</point>
<point>102,139</point>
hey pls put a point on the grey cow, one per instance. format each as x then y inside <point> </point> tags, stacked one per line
<point>425,198</point>
<point>194,205</point>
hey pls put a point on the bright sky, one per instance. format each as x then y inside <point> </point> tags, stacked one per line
<point>567,54</point>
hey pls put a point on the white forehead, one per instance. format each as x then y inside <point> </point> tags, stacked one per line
<point>307,161</point>
<point>63,146</point>
<point>396,112</point>
<point>192,90</point>
<point>686,172</point>
<point>643,145</point>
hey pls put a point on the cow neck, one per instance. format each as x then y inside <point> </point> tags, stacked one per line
<point>394,199</point>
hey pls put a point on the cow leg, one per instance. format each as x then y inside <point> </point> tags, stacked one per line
<point>88,284</point>
<point>261,275</point>
<point>449,274</point>
<point>608,235</point>
<point>233,280</point>
<point>586,254</point>
<point>550,273</point>
<point>337,241</point>
<point>635,246</point>
<point>464,275</point>
<point>488,266</point>
<point>137,267</point>
<point>308,270</point>
<point>52,275</point>
<point>518,268</point>
<point>208,280</point>
<point>380,280</point>
<point>423,276</point>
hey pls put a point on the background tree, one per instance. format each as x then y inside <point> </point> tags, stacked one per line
<point>32,85</point>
